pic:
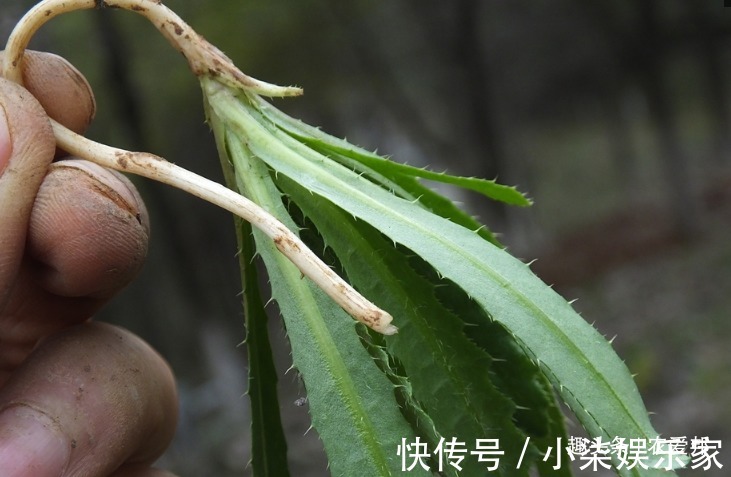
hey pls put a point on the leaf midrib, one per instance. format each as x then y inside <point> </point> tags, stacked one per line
<point>318,329</point>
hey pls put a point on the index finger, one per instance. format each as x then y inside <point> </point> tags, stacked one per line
<point>61,89</point>
<point>27,145</point>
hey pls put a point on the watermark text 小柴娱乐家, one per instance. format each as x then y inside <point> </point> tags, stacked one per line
<point>589,454</point>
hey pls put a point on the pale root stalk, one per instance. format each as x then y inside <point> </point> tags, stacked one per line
<point>205,60</point>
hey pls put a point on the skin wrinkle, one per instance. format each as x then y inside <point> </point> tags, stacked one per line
<point>53,421</point>
<point>22,412</point>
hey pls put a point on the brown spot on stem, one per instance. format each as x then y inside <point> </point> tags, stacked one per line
<point>178,29</point>
<point>123,160</point>
<point>285,243</point>
<point>372,318</point>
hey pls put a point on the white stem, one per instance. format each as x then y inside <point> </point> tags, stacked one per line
<point>157,168</point>
<point>203,57</point>
<point>204,60</point>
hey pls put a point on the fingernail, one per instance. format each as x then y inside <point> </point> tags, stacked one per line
<point>6,146</point>
<point>31,444</point>
<point>116,185</point>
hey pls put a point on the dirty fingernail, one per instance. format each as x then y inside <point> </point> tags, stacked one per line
<point>115,185</point>
<point>31,444</point>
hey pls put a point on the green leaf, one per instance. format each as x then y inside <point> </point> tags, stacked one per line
<point>448,374</point>
<point>268,443</point>
<point>399,178</point>
<point>327,144</point>
<point>579,362</point>
<point>353,405</point>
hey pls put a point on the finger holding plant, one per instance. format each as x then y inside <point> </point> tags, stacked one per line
<point>483,344</point>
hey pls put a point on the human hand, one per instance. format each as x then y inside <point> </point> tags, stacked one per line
<point>76,398</point>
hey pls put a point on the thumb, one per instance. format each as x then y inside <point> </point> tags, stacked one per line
<point>89,400</point>
<point>27,147</point>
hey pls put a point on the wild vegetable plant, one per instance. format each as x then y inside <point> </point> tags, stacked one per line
<point>473,348</point>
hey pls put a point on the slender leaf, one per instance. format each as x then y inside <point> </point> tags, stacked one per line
<point>352,403</point>
<point>326,144</point>
<point>268,443</point>
<point>404,185</point>
<point>579,361</point>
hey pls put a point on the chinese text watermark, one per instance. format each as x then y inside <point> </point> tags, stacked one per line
<point>589,454</point>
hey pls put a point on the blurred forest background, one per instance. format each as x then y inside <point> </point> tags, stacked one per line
<point>613,115</point>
